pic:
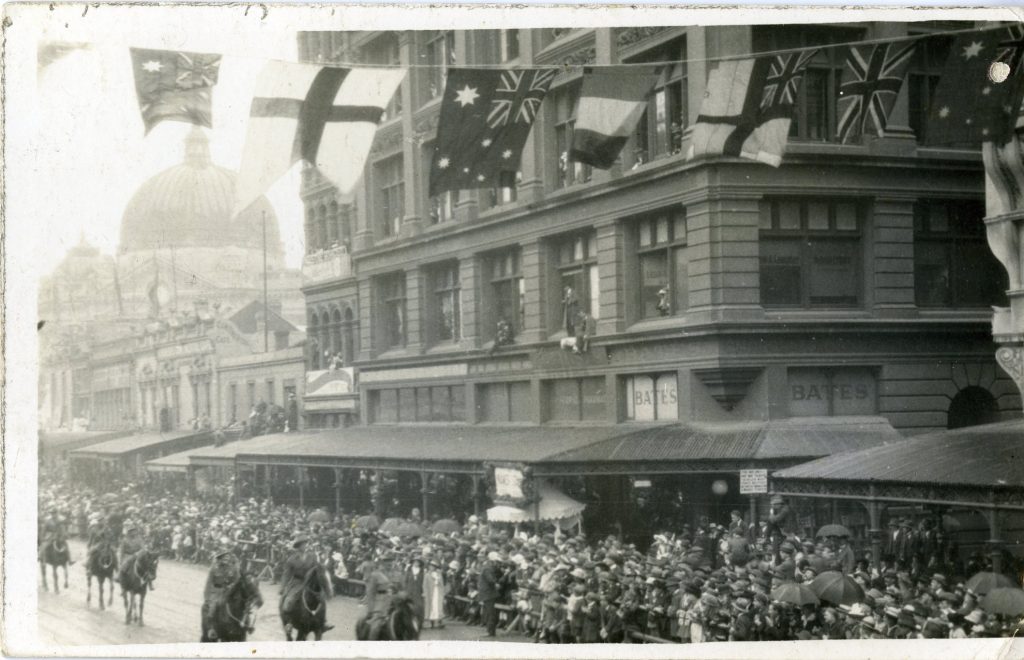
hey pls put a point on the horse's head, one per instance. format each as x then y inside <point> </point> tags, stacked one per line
<point>146,562</point>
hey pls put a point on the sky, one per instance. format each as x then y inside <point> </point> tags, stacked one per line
<point>91,144</point>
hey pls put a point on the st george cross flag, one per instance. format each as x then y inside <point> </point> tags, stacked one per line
<point>175,85</point>
<point>326,116</point>
<point>748,107</point>
<point>486,116</point>
<point>968,107</point>
<point>871,81</point>
<point>611,103</point>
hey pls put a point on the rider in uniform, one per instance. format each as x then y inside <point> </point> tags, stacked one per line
<point>225,570</point>
<point>377,600</point>
<point>52,531</point>
<point>131,542</point>
<point>293,577</point>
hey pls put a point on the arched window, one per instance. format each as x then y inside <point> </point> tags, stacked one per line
<point>348,335</point>
<point>311,243</point>
<point>335,332</point>
<point>972,406</point>
<point>332,223</point>
<point>321,216</point>
<point>314,343</point>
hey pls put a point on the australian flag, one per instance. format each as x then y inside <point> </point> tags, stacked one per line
<point>969,107</point>
<point>175,85</point>
<point>486,116</point>
<point>871,81</point>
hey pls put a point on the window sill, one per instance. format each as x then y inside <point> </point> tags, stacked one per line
<point>775,313</point>
<point>447,347</point>
<point>394,353</point>
<point>661,323</point>
<point>957,312</point>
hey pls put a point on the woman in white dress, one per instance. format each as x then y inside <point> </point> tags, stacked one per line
<point>433,595</point>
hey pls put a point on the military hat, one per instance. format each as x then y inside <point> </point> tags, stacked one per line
<point>299,540</point>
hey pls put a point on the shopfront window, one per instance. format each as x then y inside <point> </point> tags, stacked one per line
<point>504,402</point>
<point>576,399</point>
<point>651,397</point>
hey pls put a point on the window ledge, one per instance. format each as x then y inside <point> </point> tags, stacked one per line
<point>394,353</point>
<point>440,349</point>
<point>984,313</point>
<point>775,314</point>
<point>660,323</point>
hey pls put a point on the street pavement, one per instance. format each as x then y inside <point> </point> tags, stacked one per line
<point>172,612</point>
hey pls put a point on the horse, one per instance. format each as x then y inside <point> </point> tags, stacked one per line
<point>308,613</point>
<point>101,564</point>
<point>233,613</point>
<point>137,575</point>
<point>55,553</point>
<point>401,623</point>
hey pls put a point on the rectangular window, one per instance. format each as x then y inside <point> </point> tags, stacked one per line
<point>564,101</point>
<point>925,69</point>
<point>384,50</point>
<point>811,253</point>
<point>251,390</point>
<point>504,296</point>
<point>652,398</point>
<point>509,45</point>
<point>815,117</point>
<point>576,274</point>
<point>953,266</point>
<point>828,392</point>
<point>444,315</point>
<point>391,296</point>
<point>438,54</point>
<point>440,208</point>
<point>660,131</point>
<point>389,177</point>
<point>407,404</point>
<point>662,259</point>
<point>386,409</point>
<point>270,391</point>
<point>576,399</point>
<point>504,402</point>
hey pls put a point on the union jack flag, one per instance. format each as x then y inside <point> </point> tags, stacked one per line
<point>515,99</point>
<point>197,70</point>
<point>783,81</point>
<point>869,88</point>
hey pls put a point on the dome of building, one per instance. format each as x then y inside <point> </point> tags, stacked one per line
<point>189,206</point>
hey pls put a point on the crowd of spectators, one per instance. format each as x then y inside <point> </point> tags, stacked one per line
<point>702,584</point>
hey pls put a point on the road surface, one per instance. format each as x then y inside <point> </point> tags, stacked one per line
<point>172,612</point>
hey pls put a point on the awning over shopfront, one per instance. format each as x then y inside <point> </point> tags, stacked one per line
<point>554,506</point>
<point>130,444</point>
<point>988,457</point>
<point>725,446</point>
<point>211,456</point>
<point>63,441</point>
<point>448,448</point>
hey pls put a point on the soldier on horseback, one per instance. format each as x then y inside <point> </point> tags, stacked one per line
<point>52,531</point>
<point>224,572</point>
<point>131,542</point>
<point>377,601</point>
<point>293,577</point>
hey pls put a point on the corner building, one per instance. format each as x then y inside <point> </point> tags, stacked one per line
<point>849,288</point>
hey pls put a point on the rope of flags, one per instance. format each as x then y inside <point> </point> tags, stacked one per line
<point>327,114</point>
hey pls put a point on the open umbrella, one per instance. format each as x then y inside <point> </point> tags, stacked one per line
<point>836,588</point>
<point>409,529</point>
<point>369,523</point>
<point>445,526</point>
<point>833,530</point>
<point>390,525</point>
<point>795,593</point>
<point>318,516</point>
<point>1004,600</point>
<point>984,582</point>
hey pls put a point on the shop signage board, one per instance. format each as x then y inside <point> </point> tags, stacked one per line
<point>753,482</point>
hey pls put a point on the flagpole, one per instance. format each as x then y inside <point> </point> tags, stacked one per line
<point>266,309</point>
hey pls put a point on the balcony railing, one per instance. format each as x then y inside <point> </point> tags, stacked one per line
<point>324,265</point>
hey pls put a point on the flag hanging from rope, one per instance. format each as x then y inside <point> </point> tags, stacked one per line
<point>612,101</point>
<point>175,86</point>
<point>968,106</point>
<point>486,116</point>
<point>326,116</point>
<point>870,84</point>
<point>748,107</point>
